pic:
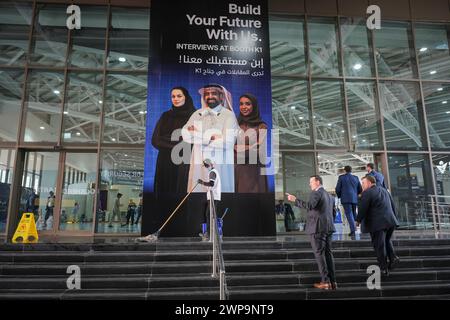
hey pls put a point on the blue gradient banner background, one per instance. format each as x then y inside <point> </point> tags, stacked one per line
<point>170,67</point>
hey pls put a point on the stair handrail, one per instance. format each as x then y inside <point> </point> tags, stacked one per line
<point>217,251</point>
<point>435,210</point>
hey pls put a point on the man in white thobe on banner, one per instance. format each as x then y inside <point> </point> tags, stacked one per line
<point>212,130</point>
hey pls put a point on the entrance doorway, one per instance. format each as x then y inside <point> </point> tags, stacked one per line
<point>59,188</point>
<point>331,166</point>
<point>296,169</point>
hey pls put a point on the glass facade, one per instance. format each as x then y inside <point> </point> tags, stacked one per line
<point>73,104</point>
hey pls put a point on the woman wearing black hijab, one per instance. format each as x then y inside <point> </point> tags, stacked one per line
<point>252,134</point>
<point>170,177</point>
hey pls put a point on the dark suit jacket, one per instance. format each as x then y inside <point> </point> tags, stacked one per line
<point>320,208</point>
<point>376,210</point>
<point>348,188</point>
<point>378,177</point>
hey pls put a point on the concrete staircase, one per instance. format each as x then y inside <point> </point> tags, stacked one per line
<point>256,268</point>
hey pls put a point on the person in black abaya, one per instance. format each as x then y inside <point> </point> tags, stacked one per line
<point>170,177</point>
<point>251,138</point>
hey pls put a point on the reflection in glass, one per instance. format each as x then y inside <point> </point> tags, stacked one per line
<point>128,39</point>
<point>437,105</point>
<point>410,186</point>
<point>322,33</point>
<point>297,168</point>
<point>403,122</point>
<point>122,171</point>
<point>432,43</point>
<point>125,108</point>
<point>358,61</point>
<point>287,46</point>
<point>83,107</point>
<point>329,113</point>
<point>43,101</point>
<point>49,41</point>
<point>441,169</point>
<point>365,131</point>
<point>77,206</point>
<point>39,187</point>
<point>88,43</point>
<point>11,87</point>
<point>291,112</point>
<point>15,20</point>
<point>394,52</point>
<point>7,158</point>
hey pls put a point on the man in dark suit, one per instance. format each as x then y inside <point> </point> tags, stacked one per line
<point>320,227</point>
<point>347,189</point>
<point>378,217</point>
<point>379,178</point>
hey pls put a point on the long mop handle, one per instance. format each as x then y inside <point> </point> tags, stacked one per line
<point>176,209</point>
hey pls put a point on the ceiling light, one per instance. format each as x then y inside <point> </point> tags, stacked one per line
<point>440,89</point>
<point>56,92</point>
<point>342,131</point>
<point>448,112</point>
<point>444,102</point>
<point>125,155</point>
<point>330,124</point>
<point>142,112</point>
<point>293,108</point>
<point>357,66</point>
<point>433,72</point>
<point>354,137</point>
<point>113,139</point>
<point>423,49</point>
<point>122,59</point>
<point>78,134</point>
<point>100,101</point>
<point>364,140</point>
<point>301,118</point>
<point>66,112</point>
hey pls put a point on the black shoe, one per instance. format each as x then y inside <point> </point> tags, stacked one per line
<point>351,234</point>
<point>334,285</point>
<point>393,263</point>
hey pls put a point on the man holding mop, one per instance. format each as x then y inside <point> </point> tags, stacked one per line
<point>213,185</point>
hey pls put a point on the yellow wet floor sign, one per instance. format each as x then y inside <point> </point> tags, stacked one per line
<point>26,230</point>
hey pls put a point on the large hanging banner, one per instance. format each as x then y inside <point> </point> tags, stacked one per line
<point>209,97</point>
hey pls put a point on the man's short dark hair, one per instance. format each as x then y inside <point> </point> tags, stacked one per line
<point>370,165</point>
<point>317,178</point>
<point>348,169</point>
<point>370,178</point>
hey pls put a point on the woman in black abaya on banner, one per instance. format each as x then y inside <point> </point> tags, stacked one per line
<point>170,177</point>
<point>249,157</point>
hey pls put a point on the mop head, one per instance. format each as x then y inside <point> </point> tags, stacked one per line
<point>150,238</point>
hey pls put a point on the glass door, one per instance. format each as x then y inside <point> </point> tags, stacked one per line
<point>59,188</point>
<point>78,192</point>
<point>39,192</point>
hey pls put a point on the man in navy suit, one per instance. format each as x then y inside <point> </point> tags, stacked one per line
<point>379,178</point>
<point>378,217</point>
<point>320,227</point>
<point>347,189</point>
